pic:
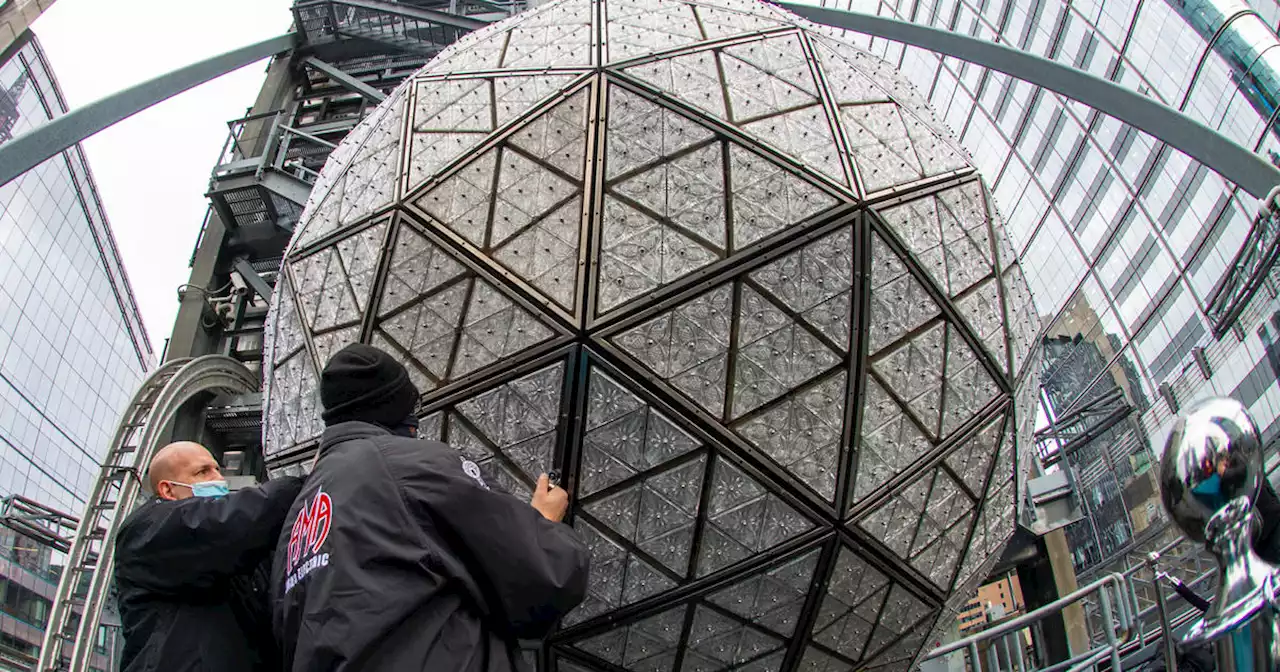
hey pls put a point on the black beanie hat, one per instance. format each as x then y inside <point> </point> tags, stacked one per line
<point>364,383</point>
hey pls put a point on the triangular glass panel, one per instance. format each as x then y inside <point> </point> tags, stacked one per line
<point>519,410</point>
<point>647,645</point>
<point>478,50</point>
<point>946,504</point>
<point>771,599</point>
<point>743,519</point>
<point>885,76</point>
<point>804,134</point>
<point>718,23</point>
<point>1023,323</point>
<point>370,183</point>
<point>685,339</point>
<point>899,304</point>
<point>320,217</point>
<point>693,78</point>
<point>638,28</point>
<point>972,458</point>
<point>624,435</point>
<point>295,417</point>
<point>815,281</point>
<point>450,117</point>
<point>418,267</point>
<point>902,613</point>
<point>969,386</point>
<point>687,191</point>
<point>727,641</point>
<point>768,198</point>
<point>937,155</point>
<point>913,371</point>
<point>323,291</point>
<point>640,253</point>
<point>656,514</point>
<point>513,96</point>
<point>427,330</point>
<point>882,153</point>
<point>845,80</point>
<point>938,561</point>
<point>553,36</point>
<point>360,255</point>
<point>982,310</point>
<point>285,325</point>
<point>898,656</point>
<point>641,132</point>
<point>558,136</point>
<point>780,56</point>
<point>896,522</point>
<point>525,192</point>
<point>546,253</point>
<point>463,200</point>
<point>755,93</point>
<point>849,608</point>
<point>890,442</point>
<point>816,660</point>
<point>802,434</point>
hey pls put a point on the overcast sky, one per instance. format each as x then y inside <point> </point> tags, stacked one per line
<point>153,169</point>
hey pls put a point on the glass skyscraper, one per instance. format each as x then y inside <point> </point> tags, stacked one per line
<point>1128,243</point>
<point>72,348</point>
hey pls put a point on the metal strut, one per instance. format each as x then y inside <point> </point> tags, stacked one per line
<point>83,585</point>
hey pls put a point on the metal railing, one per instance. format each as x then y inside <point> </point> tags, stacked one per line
<point>292,151</point>
<point>408,27</point>
<point>1004,645</point>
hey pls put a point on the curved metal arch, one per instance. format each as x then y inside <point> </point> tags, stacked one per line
<point>1219,153</point>
<point>137,438</point>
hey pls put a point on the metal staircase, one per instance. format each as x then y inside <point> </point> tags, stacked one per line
<point>82,590</point>
<point>405,27</point>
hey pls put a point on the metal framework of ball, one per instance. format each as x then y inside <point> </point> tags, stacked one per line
<point>730,276</point>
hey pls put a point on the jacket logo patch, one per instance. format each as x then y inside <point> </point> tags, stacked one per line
<point>309,532</point>
<point>473,470</point>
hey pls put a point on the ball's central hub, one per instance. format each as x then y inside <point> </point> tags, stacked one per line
<point>799,314</point>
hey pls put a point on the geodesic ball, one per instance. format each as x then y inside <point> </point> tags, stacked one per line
<point>730,277</point>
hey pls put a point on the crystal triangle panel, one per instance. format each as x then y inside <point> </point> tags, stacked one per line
<point>418,268</point>
<point>554,36</point>
<point>647,645</point>
<point>883,156</point>
<point>899,304</point>
<point>618,576</point>
<point>330,342</point>
<point>898,656</point>
<point>295,417</point>
<point>285,325</point>
<point>462,202</point>
<point>815,281</point>
<point>802,433</point>
<point>718,641</point>
<point>913,372</point>
<point>558,137</point>
<point>885,76</point>
<point>687,346</point>
<point>370,182</point>
<point>718,23</point>
<point>971,460</point>
<point>321,215</point>
<point>743,519</point>
<point>449,117</point>
<point>520,418</point>
<point>845,79</point>
<point>693,78</point>
<point>641,132</point>
<point>767,198</point>
<point>772,599</point>
<point>982,310</point>
<point>775,354</point>
<point>937,155</point>
<point>478,50</point>
<point>780,56</point>
<point>498,472</point>
<point>513,96</point>
<point>655,514</point>
<point>754,92</point>
<point>624,435</point>
<point>1024,323</point>
<point>969,386</point>
<point>360,255</point>
<point>849,609</point>
<point>324,293</point>
<point>804,134</point>
<point>638,28</point>
<point>890,442</point>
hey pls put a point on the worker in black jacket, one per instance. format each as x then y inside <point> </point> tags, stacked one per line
<point>192,568</point>
<point>398,556</point>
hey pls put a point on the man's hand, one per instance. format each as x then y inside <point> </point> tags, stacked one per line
<point>549,500</point>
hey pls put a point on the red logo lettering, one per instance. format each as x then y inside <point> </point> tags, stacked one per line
<point>310,529</point>
<point>321,517</point>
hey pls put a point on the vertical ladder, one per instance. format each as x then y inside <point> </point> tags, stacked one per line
<point>120,464</point>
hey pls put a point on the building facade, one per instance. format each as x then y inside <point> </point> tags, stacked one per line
<point>72,350</point>
<point>1131,247</point>
<point>993,601</point>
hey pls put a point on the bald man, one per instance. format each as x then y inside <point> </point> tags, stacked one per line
<point>192,567</point>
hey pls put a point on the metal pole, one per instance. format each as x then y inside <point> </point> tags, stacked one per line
<point>1108,626</point>
<point>43,142</point>
<point>974,659</point>
<point>1219,153</point>
<point>1162,609</point>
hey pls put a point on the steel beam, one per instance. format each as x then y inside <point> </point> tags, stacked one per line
<point>1219,153</point>
<point>254,280</point>
<point>429,15</point>
<point>340,76</point>
<point>29,149</point>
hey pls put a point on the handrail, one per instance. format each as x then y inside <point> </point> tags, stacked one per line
<point>1127,619</point>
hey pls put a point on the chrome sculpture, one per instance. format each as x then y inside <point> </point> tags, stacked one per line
<point>1209,480</point>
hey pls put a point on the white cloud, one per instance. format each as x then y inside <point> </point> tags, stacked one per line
<point>153,169</point>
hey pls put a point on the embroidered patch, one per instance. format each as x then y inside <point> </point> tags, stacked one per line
<point>473,470</point>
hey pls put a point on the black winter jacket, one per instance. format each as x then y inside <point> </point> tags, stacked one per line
<point>397,556</point>
<point>192,580</point>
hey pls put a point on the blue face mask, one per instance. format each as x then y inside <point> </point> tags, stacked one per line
<point>213,489</point>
